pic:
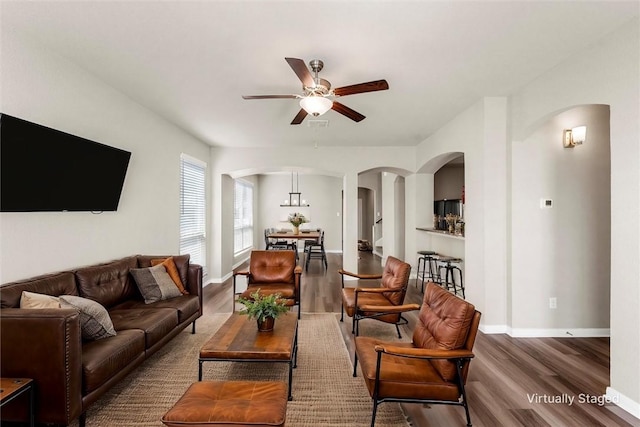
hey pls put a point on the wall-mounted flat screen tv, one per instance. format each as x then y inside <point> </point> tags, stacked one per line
<point>43,169</point>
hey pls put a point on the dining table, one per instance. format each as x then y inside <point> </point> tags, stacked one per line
<point>290,235</point>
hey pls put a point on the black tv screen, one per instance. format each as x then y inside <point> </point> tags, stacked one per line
<point>43,169</point>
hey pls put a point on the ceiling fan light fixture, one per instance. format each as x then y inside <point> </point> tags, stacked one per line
<point>316,105</point>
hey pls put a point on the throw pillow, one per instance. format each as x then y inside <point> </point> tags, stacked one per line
<point>172,270</point>
<point>155,284</point>
<point>33,300</point>
<point>95,322</point>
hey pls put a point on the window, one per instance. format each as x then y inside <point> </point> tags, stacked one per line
<point>243,216</point>
<point>193,239</point>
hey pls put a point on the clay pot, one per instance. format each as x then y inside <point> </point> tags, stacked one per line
<point>266,325</point>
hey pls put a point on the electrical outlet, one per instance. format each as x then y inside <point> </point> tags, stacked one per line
<point>553,302</point>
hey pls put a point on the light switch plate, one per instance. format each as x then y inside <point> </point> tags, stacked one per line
<point>546,203</point>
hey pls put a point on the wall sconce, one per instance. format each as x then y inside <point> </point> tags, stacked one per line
<point>574,136</point>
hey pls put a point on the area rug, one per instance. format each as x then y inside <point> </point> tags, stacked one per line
<point>324,391</point>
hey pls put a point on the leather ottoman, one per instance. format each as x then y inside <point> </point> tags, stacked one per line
<point>230,403</point>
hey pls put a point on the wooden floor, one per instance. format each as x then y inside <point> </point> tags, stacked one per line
<point>509,379</point>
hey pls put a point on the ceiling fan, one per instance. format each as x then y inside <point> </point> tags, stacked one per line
<point>318,93</point>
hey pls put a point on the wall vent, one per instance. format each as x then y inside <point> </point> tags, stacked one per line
<point>318,123</point>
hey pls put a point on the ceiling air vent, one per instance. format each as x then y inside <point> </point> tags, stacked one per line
<point>318,123</point>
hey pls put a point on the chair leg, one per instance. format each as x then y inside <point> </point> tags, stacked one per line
<point>398,329</point>
<point>463,392</point>
<point>355,363</point>
<point>373,416</point>
<point>341,313</point>
<point>193,327</point>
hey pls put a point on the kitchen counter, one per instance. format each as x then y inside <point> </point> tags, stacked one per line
<point>441,233</point>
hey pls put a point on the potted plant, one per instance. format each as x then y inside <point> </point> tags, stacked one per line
<point>296,219</point>
<point>264,308</point>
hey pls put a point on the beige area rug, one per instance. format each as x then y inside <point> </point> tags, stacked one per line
<point>324,391</point>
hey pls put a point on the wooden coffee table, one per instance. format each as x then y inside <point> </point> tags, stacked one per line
<point>238,340</point>
<point>11,388</point>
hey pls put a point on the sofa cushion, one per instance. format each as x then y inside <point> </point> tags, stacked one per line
<point>172,270</point>
<point>181,261</point>
<point>34,300</point>
<point>103,359</point>
<point>155,284</point>
<point>56,284</point>
<point>109,283</point>
<point>95,322</point>
<point>155,322</point>
<point>186,305</point>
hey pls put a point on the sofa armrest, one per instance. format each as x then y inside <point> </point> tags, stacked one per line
<point>45,345</point>
<point>194,282</point>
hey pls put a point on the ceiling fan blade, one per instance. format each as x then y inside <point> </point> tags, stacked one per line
<point>347,112</point>
<point>361,88</point>
<point>269,96</point>
<point>301,70</point>
<point>299,117</point>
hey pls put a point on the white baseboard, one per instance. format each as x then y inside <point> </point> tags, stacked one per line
<point>559,332</point>
<point>493,329</point>
<point>545,333</point>
<point>218,280</point>
<point>623,402</point>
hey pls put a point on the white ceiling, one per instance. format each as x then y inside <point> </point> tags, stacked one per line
<point>190,62</point>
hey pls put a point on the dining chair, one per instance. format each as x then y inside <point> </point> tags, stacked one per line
<point>315,249</point>
<point>278,245</point>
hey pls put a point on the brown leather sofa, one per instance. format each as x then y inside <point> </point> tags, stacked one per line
<point>273,272</point>
<point>46,344</point>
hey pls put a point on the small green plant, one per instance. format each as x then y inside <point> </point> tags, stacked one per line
<point>262,306</point>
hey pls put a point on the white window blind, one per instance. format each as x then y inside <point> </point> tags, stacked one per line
<point>243,216</point>
<point>193,239</point>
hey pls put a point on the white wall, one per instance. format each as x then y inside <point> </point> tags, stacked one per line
<point>568,245</point>
<point>47,89</point>
<point>464,134</point>
<point>373,181</point>
<point>342,162</point>
<point>323,194</point>
<point>606,73</point>
<point>366,205</point>
<point>390,216</point>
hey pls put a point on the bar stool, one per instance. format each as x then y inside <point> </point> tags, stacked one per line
<point>426,258</point>
<point>446,263</point>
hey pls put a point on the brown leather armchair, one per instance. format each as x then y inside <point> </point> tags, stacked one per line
<point>273,272</point>
<point>382,303</point>
<point>431,369</point>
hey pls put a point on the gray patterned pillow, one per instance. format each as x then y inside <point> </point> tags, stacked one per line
<point>95,322</point>
<point>155,284</point>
